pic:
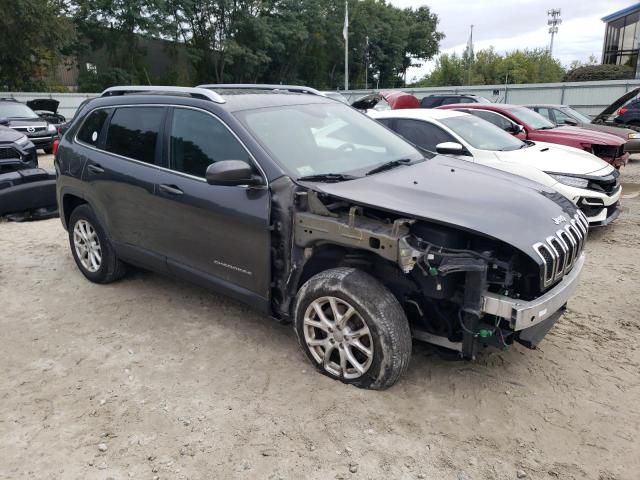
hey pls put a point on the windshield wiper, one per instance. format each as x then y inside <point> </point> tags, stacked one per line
<point>389,165</point>
<point>327,177</point>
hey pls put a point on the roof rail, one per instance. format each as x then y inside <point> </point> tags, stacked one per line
<point>201,93</point>
<point>258,86</point>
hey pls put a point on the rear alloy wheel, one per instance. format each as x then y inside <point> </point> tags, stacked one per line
<point>352,328</point>
<point>91,248</point>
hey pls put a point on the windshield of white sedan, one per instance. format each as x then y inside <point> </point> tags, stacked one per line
<point>16,110</point>
<point>531,118</point>
<point>481,134</point>
<point>323,138</point>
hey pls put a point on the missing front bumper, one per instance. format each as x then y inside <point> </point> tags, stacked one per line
<point>526,314</point>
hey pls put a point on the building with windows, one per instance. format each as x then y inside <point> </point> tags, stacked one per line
<point>621,37</point>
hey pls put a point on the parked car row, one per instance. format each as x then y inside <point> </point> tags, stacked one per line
<point>318,215</point>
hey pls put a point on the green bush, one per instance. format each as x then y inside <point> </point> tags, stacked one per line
<point>599,72</point>
<point>93,82</point>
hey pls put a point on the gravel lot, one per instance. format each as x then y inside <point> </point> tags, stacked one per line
<point>154,378</point>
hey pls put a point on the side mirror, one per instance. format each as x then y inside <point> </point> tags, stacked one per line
<point>231,173</point>
<point>4,121</point>
<point>515,129</point>
<point>451,148</point>
<point>570,121</point>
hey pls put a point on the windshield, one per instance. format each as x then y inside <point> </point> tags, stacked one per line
<point>581,117</point>
<point>16,110</point>
<point>531,118</point>
<point>481,134</point>
<point>324,138</point>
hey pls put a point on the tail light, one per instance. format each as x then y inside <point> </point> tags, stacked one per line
<point>622,111</point>
<point>55,145</point>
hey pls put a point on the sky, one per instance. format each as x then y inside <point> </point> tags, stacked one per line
<point>519,24</point>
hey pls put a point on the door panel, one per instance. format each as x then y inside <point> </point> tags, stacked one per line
<point>220,233</point>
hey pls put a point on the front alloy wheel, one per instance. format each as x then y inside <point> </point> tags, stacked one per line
<point>352,328</point>
<point>338,337</point>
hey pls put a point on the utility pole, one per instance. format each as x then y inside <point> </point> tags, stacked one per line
<point>366,63</point>
<point>553,22</point>
<point>470,54</point>
<point>345,34</point>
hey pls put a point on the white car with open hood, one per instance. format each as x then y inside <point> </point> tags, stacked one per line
<point>589,182</point>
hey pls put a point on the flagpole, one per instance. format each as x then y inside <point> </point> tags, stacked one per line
<point>345,33</point>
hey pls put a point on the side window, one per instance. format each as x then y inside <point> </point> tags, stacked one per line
<point>133,132</point>
<point>560,116</point>
<point>450,100</point>
<point>423,134</point>
<point>387,122</point>
<point>430,102</point>
<point>492,117</point>
<point>546,113</point>
<point>466,100</point>
<point>92,127</point>
<point>198,140</point>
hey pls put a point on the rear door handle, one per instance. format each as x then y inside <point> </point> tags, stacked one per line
<point>170,189</point>
<point>95,169</point>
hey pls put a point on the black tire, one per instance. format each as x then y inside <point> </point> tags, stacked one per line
<point>376,307</point>
<point>110,267</point>
<point>48,150</point>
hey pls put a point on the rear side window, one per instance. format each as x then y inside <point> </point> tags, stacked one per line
<point>92,127</point>
<point>466,100</point>
<point>423,134</point>
<point>133,132</point>
<point>430,102</point>
<point>198,140</point>
<point>492,117</point>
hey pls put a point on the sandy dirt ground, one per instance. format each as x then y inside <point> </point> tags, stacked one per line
<point>151,378</point>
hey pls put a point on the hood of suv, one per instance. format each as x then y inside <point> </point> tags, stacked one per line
<point>550,157</point>
<point>23,123</point>
<point>582,135</point>
<point>46,104</point>
<point>607,112</point>
<point>461,194</point>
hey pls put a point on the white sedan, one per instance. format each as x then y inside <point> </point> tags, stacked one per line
<point>589,182</point>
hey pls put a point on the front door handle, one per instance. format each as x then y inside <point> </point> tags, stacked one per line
<point>95,169</point>
<point>170,189</point>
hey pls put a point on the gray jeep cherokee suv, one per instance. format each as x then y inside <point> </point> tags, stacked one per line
<point>313,213</point>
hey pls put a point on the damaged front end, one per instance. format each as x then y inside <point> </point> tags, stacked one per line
<point>460,290</point>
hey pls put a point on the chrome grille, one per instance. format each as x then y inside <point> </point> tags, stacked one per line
<point>560,252</point>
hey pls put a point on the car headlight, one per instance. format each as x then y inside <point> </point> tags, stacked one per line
<point>51,129</point>
<point>571,181</point>
<point>23,140</point>
<point>634,136</point>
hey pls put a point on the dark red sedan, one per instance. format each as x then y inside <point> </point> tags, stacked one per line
<point>529,125</point>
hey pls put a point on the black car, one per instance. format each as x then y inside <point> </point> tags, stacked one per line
<point>436,99</point>
<point>18,116</point>
<point>17,152</point>
<point>47,109</point>
<point>311,212</point>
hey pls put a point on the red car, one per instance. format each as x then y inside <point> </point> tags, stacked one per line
<point>529,125</point>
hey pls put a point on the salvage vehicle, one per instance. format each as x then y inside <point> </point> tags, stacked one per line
<point>565,115</point>
<point>360,240</point>
<point>436,99</point>
<point>17,152</point>
<point>589,182</point>
<point>21,118</point>
<point>529,125</point>
<point>47,109</point>
<point>386,100</point>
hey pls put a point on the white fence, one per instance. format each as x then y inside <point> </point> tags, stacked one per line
<point>588,97</point>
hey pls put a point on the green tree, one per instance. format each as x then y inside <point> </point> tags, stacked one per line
<point>34,36</point>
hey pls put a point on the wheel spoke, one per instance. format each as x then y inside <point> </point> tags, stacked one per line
<point>343,361</point>
<point>343,319</point>
<point>317,342</point>
<point>323,318</point>
<point>359,345</point>
<point>352,359</point>
<point>315,324</point>
<point>327,355</point>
